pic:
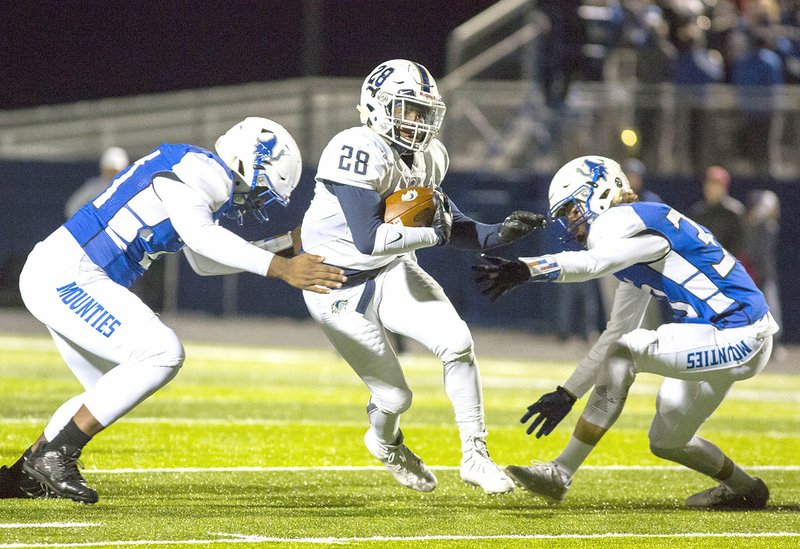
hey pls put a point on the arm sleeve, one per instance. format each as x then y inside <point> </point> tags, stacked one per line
<point>191,217</point>
<point>362,210</point>
<point>611,256</point>
<point>207,267</point>
<point>630,303</point>
<point>469,234</point>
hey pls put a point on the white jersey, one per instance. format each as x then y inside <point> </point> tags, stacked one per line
<point>361,158</point>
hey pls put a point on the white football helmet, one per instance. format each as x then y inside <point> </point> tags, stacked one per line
<point>401,102</point>
<point>265,162</point>
<point>592,183</point>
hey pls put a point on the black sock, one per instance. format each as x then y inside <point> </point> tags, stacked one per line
<point>70,435</point>
<point>17,467</point>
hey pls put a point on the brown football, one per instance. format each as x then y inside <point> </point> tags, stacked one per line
<point>411,207</point>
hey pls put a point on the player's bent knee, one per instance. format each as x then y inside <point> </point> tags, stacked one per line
<point>671,454</point>
<point>162,348</point>
<point>620,351</point>
<point>458,347</point>
<point>393,401</point>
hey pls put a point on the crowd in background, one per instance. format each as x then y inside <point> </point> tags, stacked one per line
<point>753,45</point>
<point>685,41</point>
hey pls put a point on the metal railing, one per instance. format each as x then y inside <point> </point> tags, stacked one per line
<point>490,125</point>
<point>310,108</point>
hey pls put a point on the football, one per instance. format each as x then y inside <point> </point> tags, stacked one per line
<point>411,207</point>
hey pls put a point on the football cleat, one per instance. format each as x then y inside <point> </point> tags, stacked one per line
<point>478,469</point>
<point>16,484</point>
<point>721,497</point>
<point>544,479</point>
<point>404,465</point>
<point>57,469</point>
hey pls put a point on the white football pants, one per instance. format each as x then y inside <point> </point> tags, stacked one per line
<point>408,302</point>
<point>114,344</point>
<point>700,364</point>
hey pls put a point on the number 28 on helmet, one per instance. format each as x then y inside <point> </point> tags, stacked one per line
<point>400,101</point>
<point>580,191</point>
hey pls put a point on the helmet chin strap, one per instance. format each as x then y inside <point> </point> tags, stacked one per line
<point>404,152</point>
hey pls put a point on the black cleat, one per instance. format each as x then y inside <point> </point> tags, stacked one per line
<point>721,497</point>
<point>16,484</point>
<point>57,469</point>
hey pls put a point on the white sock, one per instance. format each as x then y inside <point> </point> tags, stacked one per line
<point>385,425</point>
<point>573,455</point>
<point>462,383</point>
<point>62,416</point>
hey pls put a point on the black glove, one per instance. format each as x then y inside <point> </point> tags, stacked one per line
<point>499,275</point>
<point>552,408</point>
<point>442,217</point>
<point>520,223</point>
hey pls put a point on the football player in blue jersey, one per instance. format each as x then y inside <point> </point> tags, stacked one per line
<point>721,331</point>
<point>76,282</point>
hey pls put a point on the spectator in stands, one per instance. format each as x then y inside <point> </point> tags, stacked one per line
<point>112,161</point>
<point>655,64</point>
<point>719,212</point>
<point>560,55</point>
<point>760,257</point>
<point>635,170</point>
<point>788,41</point>
<point>755,71</point>
<point>696,67</point>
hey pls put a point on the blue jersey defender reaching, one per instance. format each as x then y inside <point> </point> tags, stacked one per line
<point>721,330</point>
<point>76,282</point>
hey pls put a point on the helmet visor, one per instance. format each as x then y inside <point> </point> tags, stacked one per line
<point>571,216</point>
<point>416,121</point>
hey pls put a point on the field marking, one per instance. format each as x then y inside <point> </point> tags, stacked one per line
<point>245,538</point>
<point>354,423</point>
<point>10,525</point>
<point>357,468</point>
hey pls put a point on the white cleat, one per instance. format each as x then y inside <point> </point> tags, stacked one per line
<point>478,469</point>
<point>544,479</point>
<point>402,463</point>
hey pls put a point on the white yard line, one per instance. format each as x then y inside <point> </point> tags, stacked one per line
<point>357,468</point>
<point>245,538</point>
<point>14,525</point>
<point>360,424</point>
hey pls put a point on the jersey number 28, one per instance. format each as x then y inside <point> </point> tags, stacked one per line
<point>357,164</point>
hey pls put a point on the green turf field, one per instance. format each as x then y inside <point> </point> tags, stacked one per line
<point>251,447</point>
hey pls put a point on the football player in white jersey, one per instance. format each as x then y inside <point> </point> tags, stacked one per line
<point>395,148</point>
<point>721,330</point>
<point>76,281</point>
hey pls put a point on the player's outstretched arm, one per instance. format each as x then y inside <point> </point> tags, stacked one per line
<point>307,272</point>
<point>497,275</point>
<point>518,224</point>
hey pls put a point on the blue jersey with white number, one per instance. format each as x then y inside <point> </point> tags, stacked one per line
<point>125,227</point>
<point>702,282</point>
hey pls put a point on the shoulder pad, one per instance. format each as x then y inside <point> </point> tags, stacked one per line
<point>618,222</point>
<point>356,156</point>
